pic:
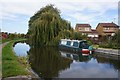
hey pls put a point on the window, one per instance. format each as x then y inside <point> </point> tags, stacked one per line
<point>75,44</point>
<point>107,28</point>
<point>68,42</point>
<point>80,29</point>
<point>112,34</point>
<point>84,34</point>
<point>86,29</point>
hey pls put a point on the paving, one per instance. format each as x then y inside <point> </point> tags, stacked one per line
<point>108,51</point>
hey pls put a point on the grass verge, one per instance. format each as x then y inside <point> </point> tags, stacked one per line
<point>8,39</point>
<point>10,62</point>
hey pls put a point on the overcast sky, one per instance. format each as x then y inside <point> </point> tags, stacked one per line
<point>15,14</point>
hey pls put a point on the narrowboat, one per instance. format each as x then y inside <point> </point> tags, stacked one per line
<point>76,46</point>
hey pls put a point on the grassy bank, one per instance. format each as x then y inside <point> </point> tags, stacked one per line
<point>10,62</point>
<point>8,39</point>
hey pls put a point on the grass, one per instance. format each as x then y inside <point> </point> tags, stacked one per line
<point>8,39</point>
<point>95,46</point>
<point>10,62</point>
<point>4,40</point>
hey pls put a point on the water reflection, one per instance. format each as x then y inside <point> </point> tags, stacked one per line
<point>47,61</point>
<point>76,57</point>
<point>21,48</point>
<point>112,61</point>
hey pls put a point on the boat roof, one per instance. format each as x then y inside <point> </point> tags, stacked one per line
<point>72,40</point>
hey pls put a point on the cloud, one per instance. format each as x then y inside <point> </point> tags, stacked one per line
<point>30,7</point>
<point>60,1</point>
<point>88,12</point>
<point>74,11</point>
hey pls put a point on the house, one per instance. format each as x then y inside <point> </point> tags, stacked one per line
<point>85,29</point>
<point>93,34</point>
<point>107,29</point>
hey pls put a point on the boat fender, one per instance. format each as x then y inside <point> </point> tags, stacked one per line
<point>90,48</point>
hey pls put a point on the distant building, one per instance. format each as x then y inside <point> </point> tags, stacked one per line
<point>107,29</point>
<point>85,29</point>
<point>93,34</point>
<point>3,35</point>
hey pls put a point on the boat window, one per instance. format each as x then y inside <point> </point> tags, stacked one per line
<point>68,42</point>
<point>75,44</point>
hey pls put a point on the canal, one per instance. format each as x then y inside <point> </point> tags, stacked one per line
<point>49,62</point>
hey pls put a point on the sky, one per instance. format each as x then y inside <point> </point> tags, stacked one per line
<point>15,14</point>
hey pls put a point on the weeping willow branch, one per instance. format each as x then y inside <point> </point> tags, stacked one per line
<point>46,25</point>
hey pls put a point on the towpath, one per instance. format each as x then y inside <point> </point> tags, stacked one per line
<point>108,51</point>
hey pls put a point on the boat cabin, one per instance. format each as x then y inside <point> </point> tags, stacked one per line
<point>74,43</point>
<point>77,46</point>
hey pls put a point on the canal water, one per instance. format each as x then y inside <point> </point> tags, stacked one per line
<point>49,62</point>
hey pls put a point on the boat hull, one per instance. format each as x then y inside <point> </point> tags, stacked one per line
<point>74,50</point>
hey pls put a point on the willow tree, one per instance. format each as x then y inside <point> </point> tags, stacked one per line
<point>45,25</point>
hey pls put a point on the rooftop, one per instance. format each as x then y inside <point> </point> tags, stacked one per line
<point>83,25</point>
<point>108,24</point>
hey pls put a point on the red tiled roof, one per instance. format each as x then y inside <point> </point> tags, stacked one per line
<point>83,25</point>
<point>108,24</point>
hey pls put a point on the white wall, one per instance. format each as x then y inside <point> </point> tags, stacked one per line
<point>92,35</point>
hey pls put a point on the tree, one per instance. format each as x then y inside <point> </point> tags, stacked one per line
<point>113,42</point>
<point>78,35</point>
<point>116,39</point>
<point>12,36</point>
<point>46,25</point>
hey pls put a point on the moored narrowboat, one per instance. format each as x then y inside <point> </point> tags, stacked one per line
<point>76,46</point>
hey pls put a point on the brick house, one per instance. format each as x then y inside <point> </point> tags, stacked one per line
<point>107,29</point>
<point>85,29</point>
